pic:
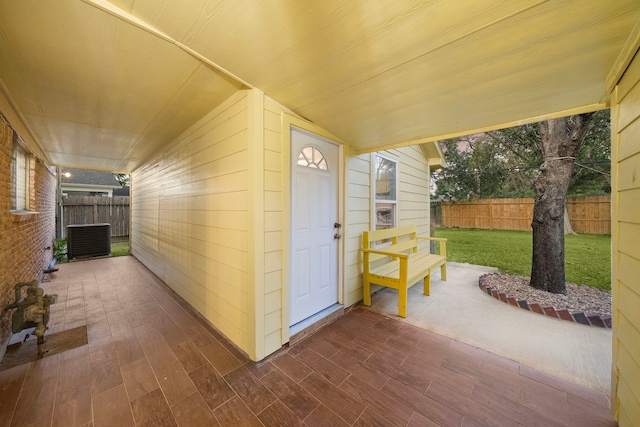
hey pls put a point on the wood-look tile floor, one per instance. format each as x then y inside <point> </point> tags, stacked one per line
<point>151,362</point>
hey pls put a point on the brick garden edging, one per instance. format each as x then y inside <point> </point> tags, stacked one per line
<point>589,319</point>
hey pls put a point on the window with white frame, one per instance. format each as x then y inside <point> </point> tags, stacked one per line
<point>19,177</point>
<point>385,179</point>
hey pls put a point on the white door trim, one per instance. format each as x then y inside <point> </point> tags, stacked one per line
<point>289,121</point>
<point>314,207</point>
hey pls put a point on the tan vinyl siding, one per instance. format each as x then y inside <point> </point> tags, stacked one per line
<point>190,214</point>
<point>358,204</point>
<point>413,203</point>
<point>273,226</point>
<point>413,206</point>
<point>209,218</point>
<point>413,187</point>
<point>625,108</point>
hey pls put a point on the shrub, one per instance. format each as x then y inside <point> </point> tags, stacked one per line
<point>60,250</point>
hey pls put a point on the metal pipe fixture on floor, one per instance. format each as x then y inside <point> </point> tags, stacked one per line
<point>32,311</point>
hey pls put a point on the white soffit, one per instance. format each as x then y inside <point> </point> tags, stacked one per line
<point>96,91</point>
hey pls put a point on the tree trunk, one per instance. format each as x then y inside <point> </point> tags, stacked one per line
<point>561,139</point>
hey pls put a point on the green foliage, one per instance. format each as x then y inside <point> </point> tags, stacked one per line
<point>60,250</point>
<point>122,178</point>
<point>587,256</point>
<point>504,163</point>
<point>592,170</point>
<point>455,182</point>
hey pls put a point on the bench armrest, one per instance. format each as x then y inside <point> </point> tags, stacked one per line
<point>387,253</point>
<point>442,240</point>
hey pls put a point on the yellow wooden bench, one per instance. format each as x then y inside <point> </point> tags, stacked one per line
<point>399,265</point>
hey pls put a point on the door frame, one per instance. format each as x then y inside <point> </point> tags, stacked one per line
<point>290,121</point>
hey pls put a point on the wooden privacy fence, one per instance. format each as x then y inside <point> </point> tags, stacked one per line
<point>97,210</point>
<point>587,214</point>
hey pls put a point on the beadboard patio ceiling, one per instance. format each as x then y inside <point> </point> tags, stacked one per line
<point>103,85</point>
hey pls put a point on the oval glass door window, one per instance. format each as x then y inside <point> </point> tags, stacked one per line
<point>313,158</point>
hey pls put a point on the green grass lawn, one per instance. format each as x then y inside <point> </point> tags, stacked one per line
<point>119,249</point>
<point>587,256</point>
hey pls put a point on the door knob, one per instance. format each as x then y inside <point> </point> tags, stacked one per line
<point>336,236</point>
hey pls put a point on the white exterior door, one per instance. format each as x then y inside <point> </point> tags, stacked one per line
<point>314,213</point>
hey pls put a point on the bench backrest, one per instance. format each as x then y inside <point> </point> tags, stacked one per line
<point>403,240</point>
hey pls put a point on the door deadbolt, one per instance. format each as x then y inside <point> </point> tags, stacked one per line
<point>337,225</point>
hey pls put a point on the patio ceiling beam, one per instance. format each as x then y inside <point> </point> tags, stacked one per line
<point>624,59</point>
<point>131,19</point>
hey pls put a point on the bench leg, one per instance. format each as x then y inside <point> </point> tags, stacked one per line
<point>402,301</point>
<point>366,288</point>
<point>427,284</point>
<point>443,271</point>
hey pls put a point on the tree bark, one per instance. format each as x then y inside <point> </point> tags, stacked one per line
<point>561,139</point>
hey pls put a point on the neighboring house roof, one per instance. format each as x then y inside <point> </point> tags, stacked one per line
<point>89,177</point>
<point>82,181</point>
<point>376,74</point>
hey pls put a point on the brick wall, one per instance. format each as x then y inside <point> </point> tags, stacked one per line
<point>23,239</point>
